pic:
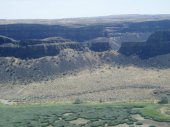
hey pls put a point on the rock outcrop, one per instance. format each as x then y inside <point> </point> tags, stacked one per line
<point>157,44</point>
<point>32,49</point>
<point>5,40</point>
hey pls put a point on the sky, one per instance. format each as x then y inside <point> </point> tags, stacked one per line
<point>57,9</point>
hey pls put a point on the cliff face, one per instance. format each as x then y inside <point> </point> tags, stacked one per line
<point>159,37</point>
<point>4,40</point>
<point>31,49</point>
<point>157,44</point>
<point>99,46</point>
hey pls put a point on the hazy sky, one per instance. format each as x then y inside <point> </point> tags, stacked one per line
<point>52,9</point>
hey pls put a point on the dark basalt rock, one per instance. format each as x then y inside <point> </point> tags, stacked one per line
<point>159,37</point>
<point>32,49</point>
<point>28,49</point>
<point>4,40</point>
<point>157,44</point>
<point>99,46</point>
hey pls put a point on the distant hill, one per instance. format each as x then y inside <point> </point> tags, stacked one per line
<point>84,29</point>
<point>79,22</point>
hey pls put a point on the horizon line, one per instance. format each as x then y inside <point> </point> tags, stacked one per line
<point>157,14</point>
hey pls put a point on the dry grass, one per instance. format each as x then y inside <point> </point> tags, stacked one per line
<point>106,84</point>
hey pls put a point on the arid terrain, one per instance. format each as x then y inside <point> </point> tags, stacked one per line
<point>107,59</point>
<point>109,71</point>
<point>106,83</point>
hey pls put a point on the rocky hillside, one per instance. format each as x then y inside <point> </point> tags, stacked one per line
<point>14,70</point>
<point>42,59</point>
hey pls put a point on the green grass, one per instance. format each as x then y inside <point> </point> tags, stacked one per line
<point>153,111</point>
<point>98,114</point>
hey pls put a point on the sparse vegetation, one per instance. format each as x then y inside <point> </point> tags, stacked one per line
<point>112,84</point>
<point>139,123</point>
<point>163,100</point>
<point>152,126</point>
<point>77,101</point>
